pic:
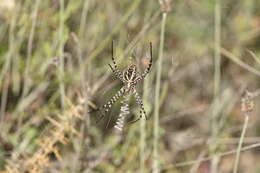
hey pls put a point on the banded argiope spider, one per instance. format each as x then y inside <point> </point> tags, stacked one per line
<point>130,78</point>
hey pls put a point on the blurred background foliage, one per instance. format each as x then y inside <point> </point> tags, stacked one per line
<point>57,50</point>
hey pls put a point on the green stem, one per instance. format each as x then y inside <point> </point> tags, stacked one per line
<point>61,53</point>
<point>6,68</point>
<point>217,79</point>
<point>29,48</point>
<point>146,102</point>
<point>157,98</point>
<point>240,143</point>
<point>142,128</point>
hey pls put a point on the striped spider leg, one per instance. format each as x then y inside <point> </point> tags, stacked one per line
<point>147,70</point>
<point>106,107</point>
<point>130,77</point>
<point>119,75</point>
<point>141,105</point>
<point>115,70</point>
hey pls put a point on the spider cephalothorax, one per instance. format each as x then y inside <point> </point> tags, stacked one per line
<point>130,78</point>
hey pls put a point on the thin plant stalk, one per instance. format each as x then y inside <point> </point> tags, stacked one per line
<point>79,162</point>
<point>7,67</point>
<point>82,28</point>
<point>217,79</point>
<point>29,55</point>
<point>254,56</point>
<point>242,137</point>
<point>29,48</point>
<point>217,53</point>
<point>204,159</point>
<point>247,106</point>
<point>142,144</point>
<point>145,100</point>
<point>157,98</point>
<point>61,54</point>
<point>142,128</point>
<point>238,61</point>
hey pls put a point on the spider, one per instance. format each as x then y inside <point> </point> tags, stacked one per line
<point>130,78</point>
